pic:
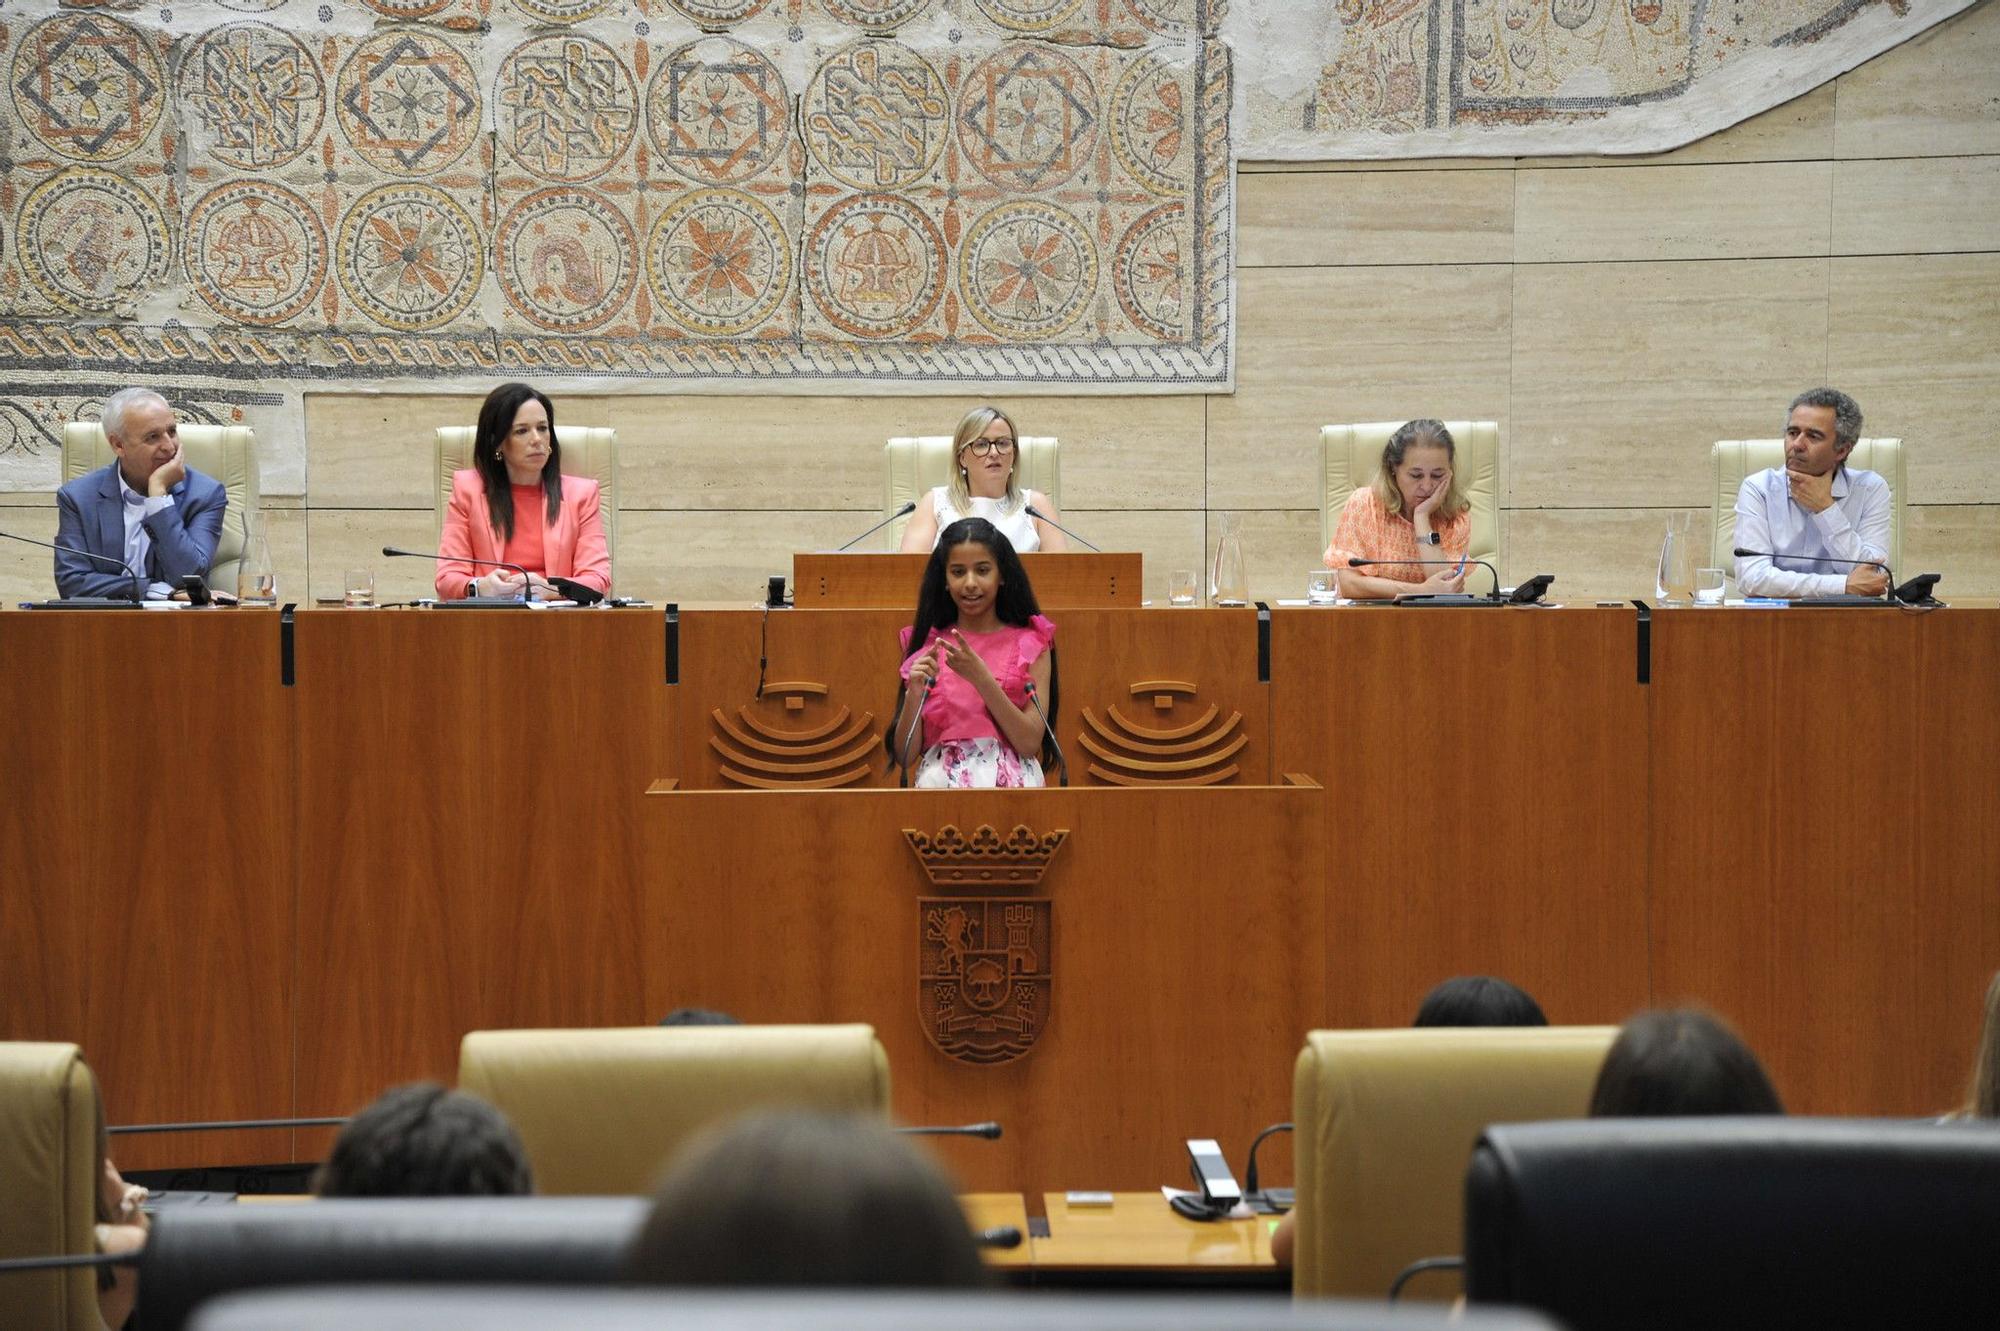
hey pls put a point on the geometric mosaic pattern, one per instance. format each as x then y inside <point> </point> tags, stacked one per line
<point>647,193</point>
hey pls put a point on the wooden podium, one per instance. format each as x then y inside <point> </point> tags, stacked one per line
<point>889,582</point>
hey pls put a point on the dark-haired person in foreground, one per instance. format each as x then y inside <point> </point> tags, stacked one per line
<point>1815,507</point>
<point>1680,1061</point>
<point>800,1198</point>
<point>421,1140</point>
<point>1479,1000</point>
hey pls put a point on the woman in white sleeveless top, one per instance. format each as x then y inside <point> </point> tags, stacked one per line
<point>985,460</point>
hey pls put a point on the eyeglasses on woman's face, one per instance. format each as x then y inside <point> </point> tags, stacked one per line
<point>982,447</point>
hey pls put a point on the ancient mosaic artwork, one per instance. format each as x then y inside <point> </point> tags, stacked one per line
<point>1347,79</point>
<point>247,199</point>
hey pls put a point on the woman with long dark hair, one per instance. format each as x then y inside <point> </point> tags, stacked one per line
<point>514,506</point>
<point>976,646</point>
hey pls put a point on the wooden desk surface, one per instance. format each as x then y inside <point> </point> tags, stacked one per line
<point>1140,1231</point>
<point>990,1210</point>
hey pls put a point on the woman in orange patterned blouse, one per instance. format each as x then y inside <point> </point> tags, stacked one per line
<point>1414,509</point>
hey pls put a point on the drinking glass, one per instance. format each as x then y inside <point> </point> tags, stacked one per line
<point>1322,587</point>
<point>1181,586</point>
<point>1708,586</point>
<point>358,586</point>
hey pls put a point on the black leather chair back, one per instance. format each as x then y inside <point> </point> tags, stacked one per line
<point>195,1253</point>
<point>1737,1222</point>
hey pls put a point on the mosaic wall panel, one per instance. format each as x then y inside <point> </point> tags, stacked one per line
<point>244,199</point>
<point>1343,79</point>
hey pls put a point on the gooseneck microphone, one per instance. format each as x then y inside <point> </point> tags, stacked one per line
<point>1000,1236</point>
<point>138,581</point>
<point>1048,730</point>
<point>476,602</point>
<point>1034,512</point>
<point>904,511</point>
<point>916,726</point>
<point>1890,592</point>
<point>1491,598</point>
<point>987,1131</point>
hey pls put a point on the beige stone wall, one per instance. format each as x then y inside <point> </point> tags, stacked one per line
<point>1615,316</point>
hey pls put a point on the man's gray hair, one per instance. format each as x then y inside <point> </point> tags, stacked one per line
<point>1846,412</point>
<point>121,402</point>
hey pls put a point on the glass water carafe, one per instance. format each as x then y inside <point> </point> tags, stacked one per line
<point>1227,584</point>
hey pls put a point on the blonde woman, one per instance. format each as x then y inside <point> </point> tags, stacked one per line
<point>986,460</point>
<point>1414,509</point>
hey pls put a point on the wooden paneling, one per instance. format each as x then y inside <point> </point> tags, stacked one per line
<point>146,907</point>
<point>1486,778</point>
<point>876,581</point>
<point>1176,914</point>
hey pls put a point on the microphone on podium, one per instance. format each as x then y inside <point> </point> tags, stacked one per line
<point>987,1131</point>
<point>469,602</point>
<point>916,715</point>
<point>1049,730</point>
<point>89,602</point>
<point>904,511</point>
<point>1917,591</point>
<point>1034,512</point>
<point>1450,598</point>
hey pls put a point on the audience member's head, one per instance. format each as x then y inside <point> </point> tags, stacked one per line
<point>421,1140</point>
<point>1479,1000</point>
<point>1984,1101</point>
<point>1680,1061</point>
<point>698,1016</point>
<point>798,1198</point>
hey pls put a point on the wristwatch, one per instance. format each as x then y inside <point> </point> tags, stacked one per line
<point>1430,538</point>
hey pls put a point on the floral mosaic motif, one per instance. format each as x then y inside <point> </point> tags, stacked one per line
<point>87,86</point>
<point>719,11</point>
<point>1513,49</point>
<point>1027,270</point>
<point>1027,118</point>
<point>92,241</point>
<point>1151,272</point>
<point>875,266</point>
<point>407,9</point>
<point>566,108</point>
<point>875,15</point>
<point>1030,16</point>
<point>562,11</point>
<point>408,102</point>
<point>1179,18</point>
<point>256,93</point>
<point>717,111</point>
<point>876,116</point>
<point>718,263</point>
<point>409,257</point>
<point>1149,124</point>
<point>255,252</point>
<point>567,259</point>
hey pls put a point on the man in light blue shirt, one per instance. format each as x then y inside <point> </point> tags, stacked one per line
<point>1816,515</point>
<point>148,510</point>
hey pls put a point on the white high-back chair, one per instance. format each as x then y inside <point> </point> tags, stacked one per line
<point>1738,458</point>
<point>224,453</point>
<point>1350,455</point>
<point>919,464</point>
<point>589,451</point>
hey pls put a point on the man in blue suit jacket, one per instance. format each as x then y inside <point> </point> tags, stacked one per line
<point>148,510</point>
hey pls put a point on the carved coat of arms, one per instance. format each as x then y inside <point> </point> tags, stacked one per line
<point>983,983</point>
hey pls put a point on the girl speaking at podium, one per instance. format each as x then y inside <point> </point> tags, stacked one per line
<point>979,673</point>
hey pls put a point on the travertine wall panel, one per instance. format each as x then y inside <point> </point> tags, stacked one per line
<point>1737,211</point>
<point>1294,219</point>
<point>1932,96</point>
<point>1915,205</point>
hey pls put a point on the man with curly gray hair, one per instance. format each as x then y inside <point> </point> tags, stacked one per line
<point>1820,520</point>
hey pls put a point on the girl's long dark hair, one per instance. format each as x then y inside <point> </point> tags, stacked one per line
<point>496,419</point>
<point>1015,606</point>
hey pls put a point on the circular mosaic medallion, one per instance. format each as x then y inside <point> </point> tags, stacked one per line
<point>1149,125</point>
<point>562,11</point>
<point>408,256</point>
<point>875,15</point>
<point>255,252</point>
<point>256,94</point>
<point>1027,117</point>
<point>1173,18</point>
<point>718,11</point>
<point>91,240</point>
<point>1027,270</point>
<point>565,107</point>
<point>876,116</point>
<point>1030,15</point>
<point>1150,272</point>
<point>87,86</point>
<point>566,259</point>
<point>875,265</point>
<point>718,111</point>
<point>408,101</point>
<point>717,262</point>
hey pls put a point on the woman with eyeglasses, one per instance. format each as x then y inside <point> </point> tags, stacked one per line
<point>986,458</point>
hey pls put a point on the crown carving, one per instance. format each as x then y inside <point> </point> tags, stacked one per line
<point>985,859</point>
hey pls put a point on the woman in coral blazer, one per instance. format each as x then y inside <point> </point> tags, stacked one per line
<point>514,506</point>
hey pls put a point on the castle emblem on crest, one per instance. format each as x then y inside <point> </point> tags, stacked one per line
<point>984,972</point>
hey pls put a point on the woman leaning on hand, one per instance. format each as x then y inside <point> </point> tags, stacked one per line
<point>514,506</point>
<point>985,470</point>
<point>1414,509</point>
